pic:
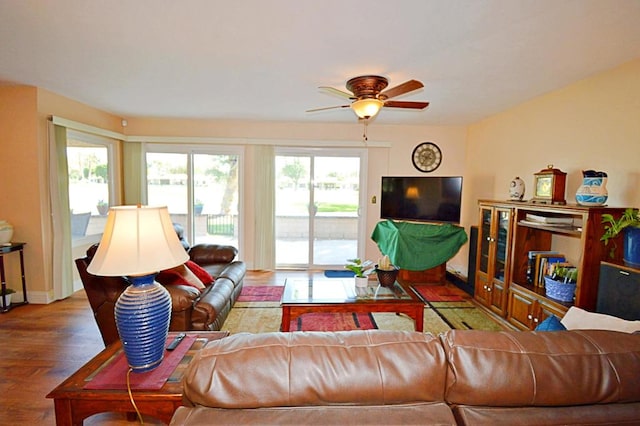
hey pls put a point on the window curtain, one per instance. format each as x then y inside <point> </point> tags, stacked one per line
<point>265,222</point>
<point>133,168</point>
<point>60,213</point>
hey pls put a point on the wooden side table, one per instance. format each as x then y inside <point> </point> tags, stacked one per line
<point>73,403</point>
<point>6,249</point>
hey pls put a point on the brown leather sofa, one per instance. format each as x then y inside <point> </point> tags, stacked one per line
<point>191,309</point>
<point>465,377</point>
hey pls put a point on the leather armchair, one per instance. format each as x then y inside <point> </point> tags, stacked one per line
<point>191,309</point>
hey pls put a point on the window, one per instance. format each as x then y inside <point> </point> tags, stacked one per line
<point>201,189</point>
<point>90,162</point>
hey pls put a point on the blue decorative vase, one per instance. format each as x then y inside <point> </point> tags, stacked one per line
<point>631,247</point>
<point>143,312</point>
<point>593,191</point>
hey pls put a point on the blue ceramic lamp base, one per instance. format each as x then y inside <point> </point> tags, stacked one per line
<point>143,312</point>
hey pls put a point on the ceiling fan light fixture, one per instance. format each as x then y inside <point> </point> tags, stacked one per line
<point>367,107</point>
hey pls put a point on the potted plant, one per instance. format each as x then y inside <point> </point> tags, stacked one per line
<point>561,282</point>
<point>386,272</point>
<point>103,207</point>
<point>7,295</point>
<point>197,207</point>
<point>361,269</point>
<point>629,222</point>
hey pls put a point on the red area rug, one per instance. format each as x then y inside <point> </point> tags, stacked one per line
<point>261,293</point>
<point>441,293</point>
<point>333,322</point>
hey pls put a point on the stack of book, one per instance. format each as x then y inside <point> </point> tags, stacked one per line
<point>539,263</point>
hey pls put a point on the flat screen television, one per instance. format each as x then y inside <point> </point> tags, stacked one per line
<point>421,198</point>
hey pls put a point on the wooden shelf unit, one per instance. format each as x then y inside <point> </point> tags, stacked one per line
<point>527,236</point>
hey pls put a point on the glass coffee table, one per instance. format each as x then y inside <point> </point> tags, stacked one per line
<point>304,295</point>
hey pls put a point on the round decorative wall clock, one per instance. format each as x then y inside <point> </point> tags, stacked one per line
<point>426,157</point>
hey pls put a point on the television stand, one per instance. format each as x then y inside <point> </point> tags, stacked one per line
<point>436,275</point>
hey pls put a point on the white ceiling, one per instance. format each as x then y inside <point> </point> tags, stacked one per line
<point>264,59</point>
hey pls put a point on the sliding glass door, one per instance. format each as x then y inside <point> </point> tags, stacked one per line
<point>318,207</point>
<point>200,188</point>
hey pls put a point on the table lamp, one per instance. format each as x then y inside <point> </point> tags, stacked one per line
<point>137,243</point>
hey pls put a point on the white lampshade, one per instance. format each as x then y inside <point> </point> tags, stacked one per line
<point>137,240</point>
<point>367,107</point>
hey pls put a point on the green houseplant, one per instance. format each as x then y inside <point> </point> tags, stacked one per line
<point>7,294</point>
<point>197,207</point>
<point>102,207</point>
<point>629,222</point>
<point>360,268</point>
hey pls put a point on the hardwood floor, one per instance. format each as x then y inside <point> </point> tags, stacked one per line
<point>41,345</point>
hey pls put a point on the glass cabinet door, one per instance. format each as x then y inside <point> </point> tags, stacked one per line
<point>485,240</point>
<point>501,240</point>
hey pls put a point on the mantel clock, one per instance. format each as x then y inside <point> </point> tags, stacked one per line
<point>548,186</point>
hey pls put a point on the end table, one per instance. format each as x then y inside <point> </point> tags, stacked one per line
<point>6,249</point>
<point>73,403</point>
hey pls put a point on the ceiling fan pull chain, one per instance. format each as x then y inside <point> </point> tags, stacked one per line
<point>364,135</point>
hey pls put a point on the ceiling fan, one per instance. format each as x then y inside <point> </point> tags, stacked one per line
<point>368,95</point>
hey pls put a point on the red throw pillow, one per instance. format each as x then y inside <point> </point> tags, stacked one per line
<point>200,272</point>
<point>179,275</point>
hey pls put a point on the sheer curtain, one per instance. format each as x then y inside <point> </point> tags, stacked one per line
<point>133,168</point>
<point>60,213</point>
<point>265,244</point>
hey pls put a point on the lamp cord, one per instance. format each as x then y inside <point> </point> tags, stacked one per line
<point>131,397</point>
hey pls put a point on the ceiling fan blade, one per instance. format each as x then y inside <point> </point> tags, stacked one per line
<point>325,108</point>
<point>406,104</point>
<point>336,92</point>
<point>406,87</point>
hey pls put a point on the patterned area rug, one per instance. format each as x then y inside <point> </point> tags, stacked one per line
<point>440,293</point>
<point>261,316</point>
<point>261,293</point>
<point>326,321</point>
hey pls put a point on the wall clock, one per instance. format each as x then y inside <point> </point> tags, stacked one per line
<point>548,186</point>
<point>426,157</point>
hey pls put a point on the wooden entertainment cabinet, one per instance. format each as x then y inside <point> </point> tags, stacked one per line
<point>505,237</point>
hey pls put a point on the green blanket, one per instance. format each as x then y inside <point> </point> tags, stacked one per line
<point>418,246</point>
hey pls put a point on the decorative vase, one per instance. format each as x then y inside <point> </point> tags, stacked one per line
<point>631,246</point>
<point>386,278</point>
<point>7,299</point>
<point>516,189</point>
<point>103,209</point>
<point>362,281</point>
<point>6,232</point>
<point>593,191</point>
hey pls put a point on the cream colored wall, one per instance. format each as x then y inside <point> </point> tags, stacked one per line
<point>389,153</point>
<point>24,197</point>
<point>19,174</point>
<point>591,124</point>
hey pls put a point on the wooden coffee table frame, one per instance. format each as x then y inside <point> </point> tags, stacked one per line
<point>73,403</point>
<point>413,308</point>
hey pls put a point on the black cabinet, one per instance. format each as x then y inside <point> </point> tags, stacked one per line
<point>619,291</point>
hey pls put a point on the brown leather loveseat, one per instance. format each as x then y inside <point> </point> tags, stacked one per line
<point>461,377</point>
<point>192,309</point>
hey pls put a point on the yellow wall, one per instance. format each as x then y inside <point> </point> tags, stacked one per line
<point>591,124</point>
<point>24,198</point>
<point>19,177</point>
